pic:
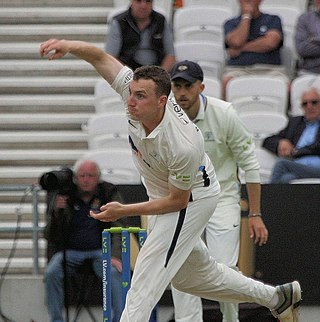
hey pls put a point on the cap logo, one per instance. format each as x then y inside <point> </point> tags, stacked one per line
<point>181,68</point>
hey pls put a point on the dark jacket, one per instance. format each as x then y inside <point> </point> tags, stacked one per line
<point>292,132</point>
<point>59,220</point>
<point>131,37</point>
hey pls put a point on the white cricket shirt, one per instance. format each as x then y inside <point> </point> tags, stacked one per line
<point>173,152</point>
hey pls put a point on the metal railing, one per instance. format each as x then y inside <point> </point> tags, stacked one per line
<point>35,229</point>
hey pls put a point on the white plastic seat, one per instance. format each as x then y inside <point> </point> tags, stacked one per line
<point>267,161</point>
<point>209,55</point>
<point>212,87</point>
<point>262,124</point>
<point>116,165</point>
<point>298,86</point>
<point>200,23</point>
<point>232,5</point>
<point>106,99</point>
<point>264,93</point>
<point>302,5</point>
<point>306,181</point>
<point>107,130</point>
<point>289,60</point>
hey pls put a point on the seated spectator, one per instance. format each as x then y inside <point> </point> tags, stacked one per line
<point>307,40</point>
<point>141,36</point>
<point>253,41</point>
<point>298,145</point>
<point>76,236</point>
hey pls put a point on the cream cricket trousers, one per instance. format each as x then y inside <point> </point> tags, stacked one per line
<point>222,237</point>
<point>174,252</point>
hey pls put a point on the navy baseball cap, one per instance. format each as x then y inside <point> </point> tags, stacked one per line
<point>187,70</point>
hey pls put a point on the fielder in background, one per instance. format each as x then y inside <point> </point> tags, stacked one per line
<point>168,150</point>
<point>230,147</point>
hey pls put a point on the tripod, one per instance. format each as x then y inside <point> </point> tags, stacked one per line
<point>85,271</point>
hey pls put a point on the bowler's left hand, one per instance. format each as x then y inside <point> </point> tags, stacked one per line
<point>109,212</point>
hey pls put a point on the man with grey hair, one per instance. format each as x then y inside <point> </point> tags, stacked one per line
<point>298,145</point>
<point>75,237</point>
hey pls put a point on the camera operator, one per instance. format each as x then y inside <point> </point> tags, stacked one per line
<point>76,237</point>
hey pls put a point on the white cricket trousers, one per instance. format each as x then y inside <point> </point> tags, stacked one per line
<point>222,235</point>
<point>174,252</point>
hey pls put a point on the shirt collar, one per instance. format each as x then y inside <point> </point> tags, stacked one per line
<point>200,115</point>
<point>160,126</point>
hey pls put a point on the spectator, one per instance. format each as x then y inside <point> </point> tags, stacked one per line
<point>77,236</point>
<point>298,145</point>
<point>229,146</point>
<point>253,41</point>
<point>183,191</point>
<point>141,36</point>
<point>307,40</point>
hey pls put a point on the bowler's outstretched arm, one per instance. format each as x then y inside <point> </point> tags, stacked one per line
<point>106,65</point>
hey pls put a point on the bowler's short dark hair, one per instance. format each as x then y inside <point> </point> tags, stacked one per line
<point>158,75</point>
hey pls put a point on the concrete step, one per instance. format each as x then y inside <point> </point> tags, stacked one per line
<point>43,139</point>
<point>22,265</point>
<point>57,3</point>
<point>23,247</point>
<point>55,103</point>
<point>16,196</point>
<point>33,33</point>
<point>10,210</point>
<point>54,158</point>
<point>63,121</point>
<point>56,15</point>
<point>47,85</point>
<point>28,50</point>
<point>41,67</point>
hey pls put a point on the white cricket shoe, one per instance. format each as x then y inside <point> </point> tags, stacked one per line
<point>289,302</point>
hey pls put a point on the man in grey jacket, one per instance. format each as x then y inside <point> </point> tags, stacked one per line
<point>307,40</point>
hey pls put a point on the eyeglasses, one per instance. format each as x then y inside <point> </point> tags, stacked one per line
<point>312,102</point>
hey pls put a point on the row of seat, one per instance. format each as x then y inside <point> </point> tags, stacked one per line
<point>247,93</point>
<point>260,101</point>
<point>201,23</point>
<point>166,6</point>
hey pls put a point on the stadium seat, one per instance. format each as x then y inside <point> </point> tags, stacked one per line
<point>107,130</point>
<point>116,165</point>
<point>267,161</point>
<point>302,5</point>
<point>232,5</point>
<point>200,23</point>
<point>262,124</point>
<point>212,87</point>
<point>106,99</point>
<point>262,93</point>
<point>306,181</point>
<point>209,55</point>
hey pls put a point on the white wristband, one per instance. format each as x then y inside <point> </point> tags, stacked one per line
<point>254,215</point>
